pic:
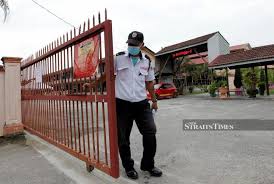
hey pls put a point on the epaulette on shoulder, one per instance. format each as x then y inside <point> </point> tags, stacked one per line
<point>149,64</point>
<point>121,53</point>
<point>146,56</point>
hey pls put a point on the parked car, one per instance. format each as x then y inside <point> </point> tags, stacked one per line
<point>164,90</point>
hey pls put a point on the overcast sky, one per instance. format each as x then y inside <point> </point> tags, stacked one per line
<point>29,28</point>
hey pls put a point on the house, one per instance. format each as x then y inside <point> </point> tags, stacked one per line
<point>200,50</point>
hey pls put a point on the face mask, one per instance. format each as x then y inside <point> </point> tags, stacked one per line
<point>133,50</point>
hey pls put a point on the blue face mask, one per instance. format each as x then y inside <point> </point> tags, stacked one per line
<point>133,50</point>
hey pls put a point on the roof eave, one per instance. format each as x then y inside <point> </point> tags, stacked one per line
<point>174,50</point>
<point>262,60</point>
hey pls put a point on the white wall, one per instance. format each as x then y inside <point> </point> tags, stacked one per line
<point>2,101</point>
<point>217,45</point>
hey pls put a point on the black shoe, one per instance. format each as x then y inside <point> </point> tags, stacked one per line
<point>132,174</point>
<point>154,171</point>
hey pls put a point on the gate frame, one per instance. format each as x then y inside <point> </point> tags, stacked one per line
<point>106,27</point>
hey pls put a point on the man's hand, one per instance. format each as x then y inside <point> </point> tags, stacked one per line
<point>154,106</point>
<point>86,87</point>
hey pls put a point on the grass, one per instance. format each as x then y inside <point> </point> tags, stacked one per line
<point>271,91</point>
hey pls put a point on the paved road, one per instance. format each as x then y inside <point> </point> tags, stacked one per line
<point>210,157</point>
<point>21,164</point>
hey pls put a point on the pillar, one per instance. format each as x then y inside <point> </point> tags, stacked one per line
<point>227,81</point>
<point>12,92</point>
<point>266,80</point>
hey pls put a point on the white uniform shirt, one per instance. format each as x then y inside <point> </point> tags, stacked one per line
<point>130,80</point>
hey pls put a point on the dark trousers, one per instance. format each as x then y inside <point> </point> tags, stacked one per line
<point>141,112</point>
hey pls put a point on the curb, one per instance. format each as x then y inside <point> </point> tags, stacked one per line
<point>71,166</point>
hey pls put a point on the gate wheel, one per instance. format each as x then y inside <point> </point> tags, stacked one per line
<point>89,167</point>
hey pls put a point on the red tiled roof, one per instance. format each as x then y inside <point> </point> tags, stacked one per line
<point>256,53</point>
<point>186,43</point>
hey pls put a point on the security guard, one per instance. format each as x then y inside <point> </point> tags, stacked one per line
<point>134,76</point>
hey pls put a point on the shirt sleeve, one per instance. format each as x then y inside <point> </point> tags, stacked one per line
<point>115,65</point>
<point>150,76</point>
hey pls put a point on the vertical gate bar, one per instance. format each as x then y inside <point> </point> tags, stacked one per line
<point>97,122</point>
<point>58,71</point>
<point>74,125</point>
<point>53,101</point>
<point>70,89</point>
<point>83,128</point>
<point>52,93</point>
<point>78,126</point>
<point>63,92</point>
<point>44,93</point>
<point>41,91</point>
<point>34,101</point>
<point>30,92</point>
<point>87,129</point>
<point>66,92</point>
<point>37,102</point>
<point>102,91</point>
<point>42,101</point>
<point>111,100</point>
<point>73,102</point>
<point>77,104</point>
<point>27,93</point>
<point>55,93</point>
<point>49,101</point>
<point>43,117</point>
<point>105,139</point>
<point>93,131</point>
<point>47,89</point>
<point>59,81</point>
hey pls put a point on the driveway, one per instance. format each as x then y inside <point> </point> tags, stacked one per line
<point>201,157</point>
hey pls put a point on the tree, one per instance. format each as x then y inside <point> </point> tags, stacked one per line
<point>4,5</point>
<point>238,78</point>
<point>262,76</point>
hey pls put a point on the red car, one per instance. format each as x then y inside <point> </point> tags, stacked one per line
<point>164,90</point>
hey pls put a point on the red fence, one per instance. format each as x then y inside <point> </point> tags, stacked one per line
<point>77,114</point>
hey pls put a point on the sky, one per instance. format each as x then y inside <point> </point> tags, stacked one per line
<point>29,27</point>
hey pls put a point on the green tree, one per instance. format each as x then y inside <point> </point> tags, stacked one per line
<point>5,7</point>
<point>262,76</point>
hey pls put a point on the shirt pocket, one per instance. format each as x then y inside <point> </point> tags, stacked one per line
<point>143,74</point>
<point>123,72</point>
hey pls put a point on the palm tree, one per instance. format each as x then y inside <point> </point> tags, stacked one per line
<point>4,5</point>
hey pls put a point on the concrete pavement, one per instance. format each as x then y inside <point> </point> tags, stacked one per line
<point>196,157</point>
<point>214,157</point>
<point>21,164</point>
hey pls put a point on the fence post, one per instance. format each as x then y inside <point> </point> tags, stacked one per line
<point>12,92</point>
<point>2,99</point>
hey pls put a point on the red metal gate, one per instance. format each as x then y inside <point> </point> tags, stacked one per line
<point>77,115</point>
